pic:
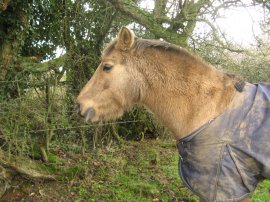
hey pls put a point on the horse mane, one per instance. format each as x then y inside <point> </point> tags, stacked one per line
<point>142,44</point>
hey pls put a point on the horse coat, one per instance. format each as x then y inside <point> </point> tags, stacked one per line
<point>226,158</point>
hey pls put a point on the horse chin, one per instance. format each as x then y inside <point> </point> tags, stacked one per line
<point>104,118</point>
<point>100,114</point>
<point>93,120</point>
<point>112,116</point>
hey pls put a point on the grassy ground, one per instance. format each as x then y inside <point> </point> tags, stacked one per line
<point>137,171</point>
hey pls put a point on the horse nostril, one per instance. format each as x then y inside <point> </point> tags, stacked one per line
<point>90,113</point>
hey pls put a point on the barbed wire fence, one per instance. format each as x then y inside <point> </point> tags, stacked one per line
<point>43,114</point>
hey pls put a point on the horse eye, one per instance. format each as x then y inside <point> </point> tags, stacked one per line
<point>107,68</point>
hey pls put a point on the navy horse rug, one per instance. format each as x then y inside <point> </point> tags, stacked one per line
<point>226,158</point>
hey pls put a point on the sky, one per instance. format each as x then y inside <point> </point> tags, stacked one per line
<point>242,24</point>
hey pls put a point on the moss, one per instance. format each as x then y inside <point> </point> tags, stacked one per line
<point>53,158</point>
<point>29,65</point>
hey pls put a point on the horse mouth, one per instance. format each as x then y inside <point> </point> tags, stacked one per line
<point>89,115</point>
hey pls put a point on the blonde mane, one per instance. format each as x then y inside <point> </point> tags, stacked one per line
<point>142,44</point>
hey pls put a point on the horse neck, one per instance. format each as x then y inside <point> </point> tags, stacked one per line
<point>186,93</point>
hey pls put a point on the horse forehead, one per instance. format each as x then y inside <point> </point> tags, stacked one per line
<point>110,51</point>
<point>113,56</point>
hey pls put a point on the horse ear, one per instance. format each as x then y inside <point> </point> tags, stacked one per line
<point>125,39</point>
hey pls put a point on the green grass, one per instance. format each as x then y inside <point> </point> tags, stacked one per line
<point>262,193</point>
<point>136,171</point>
<point>143,171</point>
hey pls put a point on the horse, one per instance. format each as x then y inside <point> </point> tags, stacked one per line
<point>200,105</point>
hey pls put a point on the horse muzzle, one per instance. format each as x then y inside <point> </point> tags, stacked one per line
<point>87,114</point>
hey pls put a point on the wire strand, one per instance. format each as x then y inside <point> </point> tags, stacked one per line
<point>85,126</point>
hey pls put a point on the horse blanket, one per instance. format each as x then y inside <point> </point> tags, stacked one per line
<point>226,158</point>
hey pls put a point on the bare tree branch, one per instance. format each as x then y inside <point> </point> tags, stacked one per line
<point>23,166</point>
<point>217,38</point>
<point>146,19</point>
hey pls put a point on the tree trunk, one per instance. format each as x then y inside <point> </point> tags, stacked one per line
<point>5,58</point>
<point>12,35</point>
<point>159,10</point>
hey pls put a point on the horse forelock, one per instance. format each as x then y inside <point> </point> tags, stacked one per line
<point>109,48</point>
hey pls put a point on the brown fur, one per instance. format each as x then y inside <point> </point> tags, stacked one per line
<point>180,89</point>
